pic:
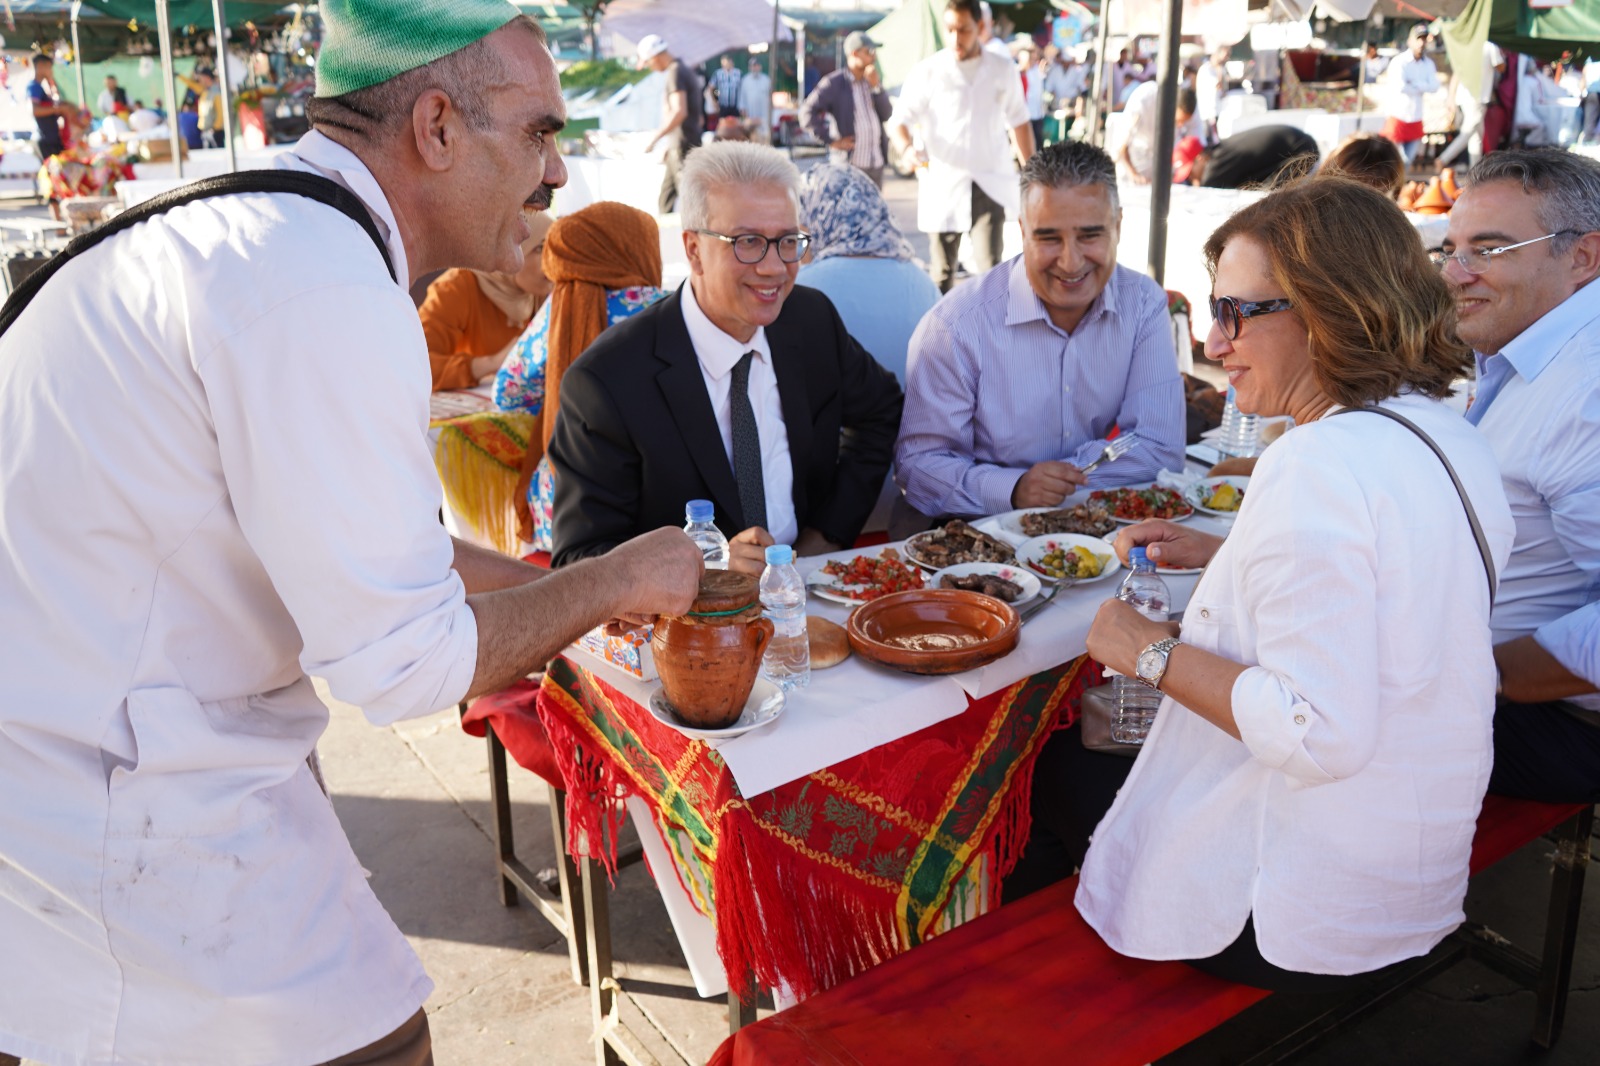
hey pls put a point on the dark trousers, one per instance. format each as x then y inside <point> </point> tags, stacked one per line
<point>988,232</point>
<point>1072,789</point>
<point>668,201</point>
<point>1542,751</point>
<point>409,1045</point>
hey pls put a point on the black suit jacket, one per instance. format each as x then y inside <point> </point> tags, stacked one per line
<point>636,439</point>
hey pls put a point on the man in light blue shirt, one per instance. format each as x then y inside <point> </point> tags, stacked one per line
<point>1522,256</point>
<point>1015,380</point>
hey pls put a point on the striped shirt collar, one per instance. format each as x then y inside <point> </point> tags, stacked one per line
<point>1023,304</point>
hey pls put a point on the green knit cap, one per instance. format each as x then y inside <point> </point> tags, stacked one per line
<point>366,42</point>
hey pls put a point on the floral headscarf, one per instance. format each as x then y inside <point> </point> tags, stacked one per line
<point>846,215</point>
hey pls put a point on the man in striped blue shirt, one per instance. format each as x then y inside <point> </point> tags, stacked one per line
<point>1014,380</point>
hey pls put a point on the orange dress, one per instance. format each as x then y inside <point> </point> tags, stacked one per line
<point>461,324</point>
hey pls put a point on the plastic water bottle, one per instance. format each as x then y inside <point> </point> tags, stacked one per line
<point>783,599</point>
<point>1137,703</point>
<point>1241,433</point>
<point>704,532</point>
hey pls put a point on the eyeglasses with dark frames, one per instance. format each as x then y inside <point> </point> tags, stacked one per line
<point>1477,260</point>
<point>751,248</point>
<point>1230,312</point>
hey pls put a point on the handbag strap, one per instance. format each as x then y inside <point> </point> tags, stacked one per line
<point>1472,515</point>
<point>313,186</point>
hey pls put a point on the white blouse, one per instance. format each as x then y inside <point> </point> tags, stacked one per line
<point>1352,587</point>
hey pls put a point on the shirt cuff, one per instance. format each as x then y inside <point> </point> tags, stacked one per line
<point>1273,722</point>
<point>993,487</point>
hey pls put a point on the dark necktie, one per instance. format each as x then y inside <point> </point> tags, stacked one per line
<point>747,447</point>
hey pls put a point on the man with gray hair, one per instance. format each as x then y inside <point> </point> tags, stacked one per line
<point>233,432</point>
<point>1522,256</point>
<point>740,388</point>
<point>1014,381</point>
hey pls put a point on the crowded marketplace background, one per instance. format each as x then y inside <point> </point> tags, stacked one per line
<point>884,463</point>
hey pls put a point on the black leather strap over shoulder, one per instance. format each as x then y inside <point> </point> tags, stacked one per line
<point>313,186</point>
<point>1472,515</point>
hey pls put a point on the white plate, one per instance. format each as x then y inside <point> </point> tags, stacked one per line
<point>910,549</point>
<point>764,705</point>
<point>1008,526</point>
<point>1034,550</point>
<point>824,586</point>
<point>1025,578</point>
<point>1204,488</point>
<point>1141,488</point>
<point>1173,571</point>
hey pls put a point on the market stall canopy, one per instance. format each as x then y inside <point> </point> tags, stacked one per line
<point>694,30</point>
<point>915,30</point>
<point>1545,33</point>
<point>114,26</point>
<point>189,12</point>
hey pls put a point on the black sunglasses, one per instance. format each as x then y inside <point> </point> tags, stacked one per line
<point>1230,312</point>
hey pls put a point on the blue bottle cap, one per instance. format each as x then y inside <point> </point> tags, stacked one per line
<point>780,555</point>
<point>1137,558</point>
<point>699,511</point>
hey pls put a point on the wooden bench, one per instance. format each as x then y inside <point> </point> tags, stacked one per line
<point>1033,982</point>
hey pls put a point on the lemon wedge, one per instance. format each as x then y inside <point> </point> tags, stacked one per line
<point>1089,564</point>
<point>1224,498</point>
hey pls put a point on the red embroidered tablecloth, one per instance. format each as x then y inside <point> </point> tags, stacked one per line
<point>826,876</point>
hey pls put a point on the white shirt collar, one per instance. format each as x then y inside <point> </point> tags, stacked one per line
<point>716,350</point>
<point>334,160</point>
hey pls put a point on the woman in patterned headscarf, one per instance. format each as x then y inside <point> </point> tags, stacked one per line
<point>861,261</point>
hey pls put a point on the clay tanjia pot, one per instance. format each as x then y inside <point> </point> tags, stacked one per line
<point>708,659</point>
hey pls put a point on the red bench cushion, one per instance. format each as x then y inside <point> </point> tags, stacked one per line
<point>1033,976</point>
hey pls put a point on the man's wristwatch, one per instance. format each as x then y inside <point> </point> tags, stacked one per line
<point>1151,665</point>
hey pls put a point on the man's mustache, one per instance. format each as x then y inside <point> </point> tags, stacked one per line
<point>542,198</point>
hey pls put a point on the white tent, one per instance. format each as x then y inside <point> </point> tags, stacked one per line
<point>694,29</point>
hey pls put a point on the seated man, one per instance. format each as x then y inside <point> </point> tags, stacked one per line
<point>1015,379</point>
<point>1532,314</point>
<point>740,388</point>
<point>1259,156</point>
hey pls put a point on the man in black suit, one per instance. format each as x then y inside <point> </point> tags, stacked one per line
<point>739,388</point>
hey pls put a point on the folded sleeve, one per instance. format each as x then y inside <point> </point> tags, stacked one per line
<point>323,439</point>
<point>1310,705</point>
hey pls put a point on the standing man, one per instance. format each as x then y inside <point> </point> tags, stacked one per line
<point>962,100</point>
<point>1065,82</point>
<point>1136,152</point>
<point>48,110</point>
<point>208,107</point>
<point>726,82</point>
<point>1474,108</point>
<point>848,108</point>
<point>1523,257</point>
<point>254,503</point>
<point>988,36</point>
<point>1032,75</point>
<point>683,120</point>
<point>740,388</point>
<point>755,100</point>
<point>1411,77</point>
<point>1015,379</point>
<point>112,95</point>
<point>1210,86</point>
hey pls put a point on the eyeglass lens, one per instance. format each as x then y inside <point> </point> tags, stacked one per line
<point>751,248</point>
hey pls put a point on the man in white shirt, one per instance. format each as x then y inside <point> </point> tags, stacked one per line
<point>988,34</point>
<point>961,101</point>
<point>1210,85</point>
<point>1411,77</point>
<point>1530,308</point>
<point>1135,153</point>
<point>740,388</point>
<point>1474,106</point>
<point>755,100</point>
<point>252,501</point>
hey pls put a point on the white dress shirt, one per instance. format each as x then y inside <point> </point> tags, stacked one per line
<point>1352,587</point>
<point>216,481</point>
<point>1143,112</point>
<point>1538,403</point>
<point>963,111</point>
<point>1411,78</point>
<point>718,353</point>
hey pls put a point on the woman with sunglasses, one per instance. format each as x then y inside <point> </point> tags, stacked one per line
<point>1304,807</point>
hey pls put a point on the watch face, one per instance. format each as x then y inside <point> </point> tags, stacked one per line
<point>1150,663</point>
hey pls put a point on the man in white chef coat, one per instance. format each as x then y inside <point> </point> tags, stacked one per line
<point>961,101</point>
<point>215,482</point>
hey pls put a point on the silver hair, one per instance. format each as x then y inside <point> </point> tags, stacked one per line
<point>1566,188</point>
<point>1068,164</point>
<point>731,164</point>
<point>465,76</point>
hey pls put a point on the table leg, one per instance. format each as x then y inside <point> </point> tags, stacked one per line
<point>571,898</point>
<point>597,938</point>
<point>500,804</point>
<point>1571,860</point>
<point>739,1014</point>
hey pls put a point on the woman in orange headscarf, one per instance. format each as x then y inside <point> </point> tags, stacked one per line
<point>605,262</point>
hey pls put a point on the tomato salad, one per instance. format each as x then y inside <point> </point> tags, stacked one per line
<point>867,577</point>
<point>1135,505</point>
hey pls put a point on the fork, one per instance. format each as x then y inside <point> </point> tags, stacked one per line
<point>1036,608</point>
<point>1114,451</point>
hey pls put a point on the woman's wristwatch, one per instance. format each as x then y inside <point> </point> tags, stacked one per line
<point>1151,666</point>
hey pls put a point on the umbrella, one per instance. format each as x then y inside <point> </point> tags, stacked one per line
<point>694,30</point>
